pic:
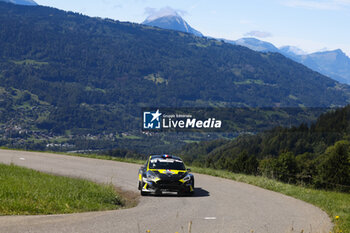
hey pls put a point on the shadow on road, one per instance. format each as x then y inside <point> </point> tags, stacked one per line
<point>198,192</point>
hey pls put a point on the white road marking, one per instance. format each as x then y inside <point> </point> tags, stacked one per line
<point>22,159</point>
<point>210,218</point>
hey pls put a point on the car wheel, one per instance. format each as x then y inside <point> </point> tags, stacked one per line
<point>189,191</point>
<point>158,193</point>
<point>180,193</point>
<point>140,187</point>
<point>141,184</point>
<point>143,193</point>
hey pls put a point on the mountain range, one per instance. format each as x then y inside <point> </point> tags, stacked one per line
<point>334,64</point>
<point>62,73</point>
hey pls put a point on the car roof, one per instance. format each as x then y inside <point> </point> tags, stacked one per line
<point>164,157</point>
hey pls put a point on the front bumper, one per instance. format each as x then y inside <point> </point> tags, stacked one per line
<point>167,185</point>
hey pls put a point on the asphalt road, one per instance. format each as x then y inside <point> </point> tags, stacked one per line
<point>219,205</point>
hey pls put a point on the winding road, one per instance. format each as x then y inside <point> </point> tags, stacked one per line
<point>219,205</point>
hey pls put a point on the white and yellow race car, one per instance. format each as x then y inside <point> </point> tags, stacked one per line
<point>165,173</point>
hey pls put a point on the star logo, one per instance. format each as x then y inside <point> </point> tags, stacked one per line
<point>152,120</point>
<point>156,115</point>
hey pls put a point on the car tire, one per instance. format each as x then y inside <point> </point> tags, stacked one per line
<point>141,184</point>
<point>158,193</point>
<point>180,193</point>
<point>143,193</point>
<point>139,187</point>
<point>191,192</point>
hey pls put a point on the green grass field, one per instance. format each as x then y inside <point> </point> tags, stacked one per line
<point>27,192</point>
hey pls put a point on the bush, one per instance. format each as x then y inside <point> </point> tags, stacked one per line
<point>283,168</point>
<point>268,167</point>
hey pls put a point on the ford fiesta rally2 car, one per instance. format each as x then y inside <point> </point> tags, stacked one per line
<point>165,173</point>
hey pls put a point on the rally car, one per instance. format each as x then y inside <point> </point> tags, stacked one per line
<point>165,173</point>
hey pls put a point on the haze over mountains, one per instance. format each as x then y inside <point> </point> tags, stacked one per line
<point>334,64</point>
<point>256,45</point>
<point>21,2</point>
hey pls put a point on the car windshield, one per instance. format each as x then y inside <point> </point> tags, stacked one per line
<point>169,164</point>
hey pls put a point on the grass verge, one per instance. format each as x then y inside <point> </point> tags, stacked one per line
<point>27,192</point>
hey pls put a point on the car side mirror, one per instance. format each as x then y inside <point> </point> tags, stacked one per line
<point>189,169</point>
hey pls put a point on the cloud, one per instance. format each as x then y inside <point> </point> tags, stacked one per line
<point>319,5</point>
<point>153,13</point>
<point>259,34</point>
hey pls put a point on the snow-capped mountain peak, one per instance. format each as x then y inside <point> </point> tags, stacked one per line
<point>165,12</point>
<point>292,50</point>
<point>257,45</point>
<point>168,18</point>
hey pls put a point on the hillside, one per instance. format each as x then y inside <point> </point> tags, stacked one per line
<point>334,64</point>
<point>63,73</point>
<point>318,154</point>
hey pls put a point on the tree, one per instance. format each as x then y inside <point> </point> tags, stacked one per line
<point>283,168</point>
<point>306,168</point>
<point>287,167</point>
<point>334,168</point>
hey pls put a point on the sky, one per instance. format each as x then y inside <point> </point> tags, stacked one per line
<point>312,25</point>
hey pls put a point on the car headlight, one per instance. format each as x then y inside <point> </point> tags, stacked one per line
<point>187,178</point>
<point>150,175</point>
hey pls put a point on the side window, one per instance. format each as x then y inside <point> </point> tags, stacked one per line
<point>152,165</point>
